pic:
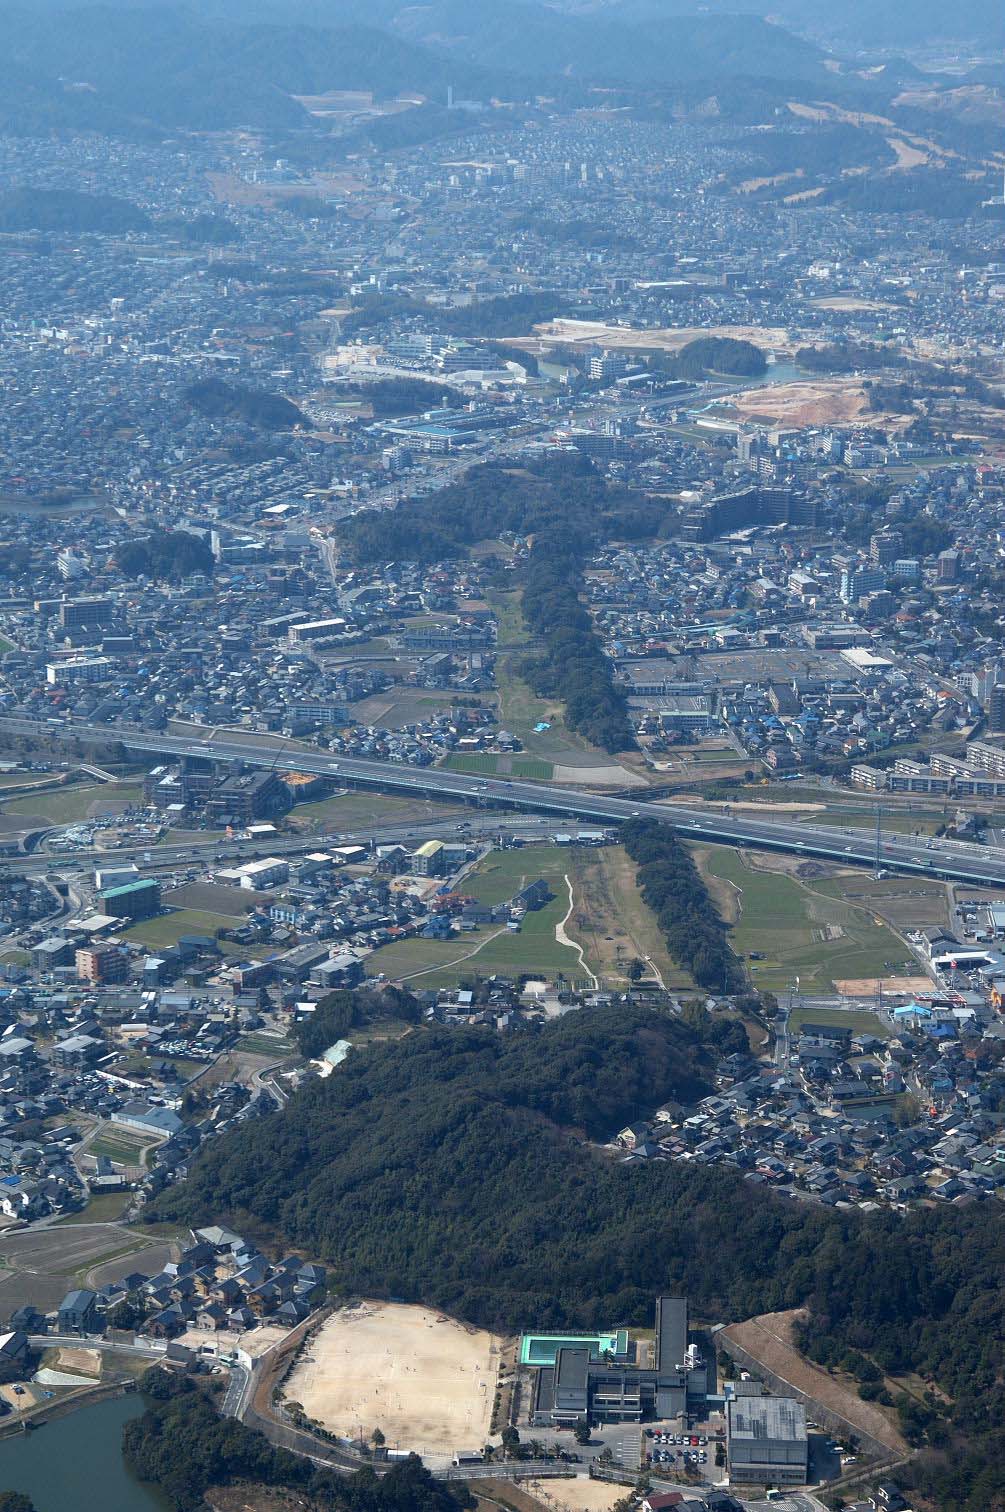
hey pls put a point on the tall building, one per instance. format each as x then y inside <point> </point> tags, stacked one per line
<point>885,547</point>
<point>85,611</point>
<point>857,582</point>
<point>949,566</point>
<point>102,963</point>
<point>996,709</point>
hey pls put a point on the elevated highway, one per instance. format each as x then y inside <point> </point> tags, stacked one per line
<point>945,859</point>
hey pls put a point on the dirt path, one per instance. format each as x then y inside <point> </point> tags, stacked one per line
<point>449,965</point>
<point>565,939</point>
<point>768,1340</point>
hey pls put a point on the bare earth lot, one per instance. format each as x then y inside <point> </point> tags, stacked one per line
<point>909,986</point>
<point>579,1495</point>
<point>425,1380</point>
<point>828,401</point>
<point>40,1267</point>
<point>768,1339</point>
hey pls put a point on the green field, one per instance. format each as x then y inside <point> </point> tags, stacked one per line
<point>120,1144</point>
<point>519,707</point>
<point>511,629</point>
<point>106,1207</point>
<point>504,872</point>
<point>801,933</point>
<point>493,949</point>
<point>352,810</point>
<point>859,1021</point>
<point>265,1044</point>
<point>167,929</point>
<point>70,805</point>
<point>528,768</point>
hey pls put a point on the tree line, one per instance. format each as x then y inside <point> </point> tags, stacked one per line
<point>184,1447</point>
<point>572,666</point>
<point>673,888</point>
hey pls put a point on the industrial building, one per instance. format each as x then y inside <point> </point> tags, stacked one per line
<point>612,1378</point>
<point>766,1442</point>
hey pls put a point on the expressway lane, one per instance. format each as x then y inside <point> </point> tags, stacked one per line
<point>945,860</point>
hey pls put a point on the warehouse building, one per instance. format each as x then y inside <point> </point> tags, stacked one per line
<point>766,1442</point>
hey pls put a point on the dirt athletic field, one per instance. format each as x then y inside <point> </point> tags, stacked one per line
<point>426,1381</point>
<point>864,987</point>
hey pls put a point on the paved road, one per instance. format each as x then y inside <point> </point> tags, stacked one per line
<point>983,865</point>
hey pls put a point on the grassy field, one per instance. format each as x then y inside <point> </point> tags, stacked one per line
<point>510,625</point>
<point>265,1044</point>
<point>119,1144</point>
<point>611,921</point>
<point>168,929</point>
<point>519,707</point>
<point>483,952</point>
<point>503,873</point>
<point>494,948</point>
<point>106,1207</point>
<point>799,932</point>
<point>348,811</point>
<point>859,1021</point>
<point>529,768</point>
<point>70,805</point>
<point>905,902</point>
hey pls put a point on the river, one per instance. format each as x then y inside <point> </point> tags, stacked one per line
<point>75,1464</point>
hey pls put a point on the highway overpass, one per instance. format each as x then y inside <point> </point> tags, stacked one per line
<point>946,859</point>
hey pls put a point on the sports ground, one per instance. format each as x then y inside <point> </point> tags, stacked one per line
<point>426,1381</point>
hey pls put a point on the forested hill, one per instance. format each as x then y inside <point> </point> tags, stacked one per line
<point>417,1160</point>
<point>445,1169</point>
<point>562,492</point>
<point>217,400</point>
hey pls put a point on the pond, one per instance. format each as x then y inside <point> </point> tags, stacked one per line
<point>75,1462</point>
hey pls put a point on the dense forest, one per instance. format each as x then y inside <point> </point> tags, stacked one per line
<point>184,1447</point>
<point>939,192</point>
<point>215,399</point>
<point>561,492</point>
<point>338,1012</point>
<point>448,1169</point>
<point>507,315</point>
<point>572,666</point>
<point>720,354</point>
<point>167,555</point>
<point>390,397</point>
<point>847,357</point>
<point>672,887</point>
<point>209,229</point>
<point>70,210</point>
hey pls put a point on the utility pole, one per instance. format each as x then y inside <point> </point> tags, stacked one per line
<point>879,839</point>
